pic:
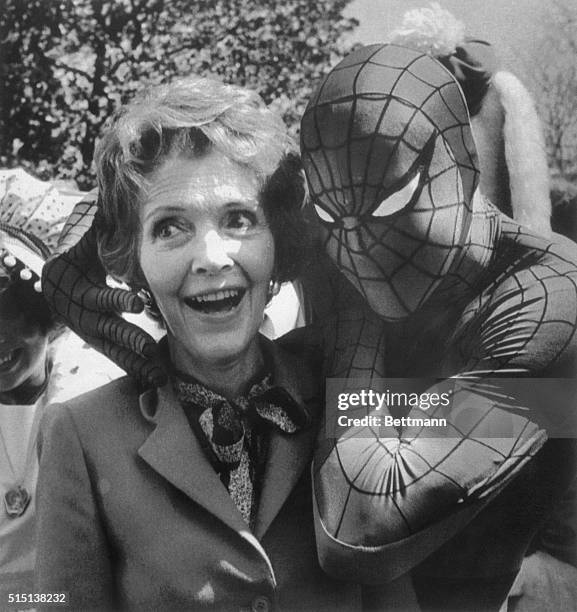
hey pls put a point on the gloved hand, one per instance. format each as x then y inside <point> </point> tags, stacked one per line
<point>74,285</point>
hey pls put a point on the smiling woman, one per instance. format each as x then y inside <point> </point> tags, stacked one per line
<point>202,221</point>
<point>201,195</point>
<point>198,494</point>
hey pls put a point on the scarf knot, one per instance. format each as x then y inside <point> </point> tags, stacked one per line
<point>233,432</point>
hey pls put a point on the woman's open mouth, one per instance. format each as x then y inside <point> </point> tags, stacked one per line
<point>7,360</point>
<point>216,302</point>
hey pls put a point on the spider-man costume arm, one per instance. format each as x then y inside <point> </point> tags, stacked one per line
<point>74,284</point>
<point>386,499</point>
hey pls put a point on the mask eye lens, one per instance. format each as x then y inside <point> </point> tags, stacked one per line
<point>398,200</point>
<point>323,214</point>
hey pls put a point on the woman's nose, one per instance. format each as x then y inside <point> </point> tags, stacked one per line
<point>213,254</point>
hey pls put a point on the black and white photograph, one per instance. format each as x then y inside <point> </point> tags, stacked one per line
<point>288,305</point>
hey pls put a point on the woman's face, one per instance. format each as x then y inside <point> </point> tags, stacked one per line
<point>23,348</point>
<point>207,255</point>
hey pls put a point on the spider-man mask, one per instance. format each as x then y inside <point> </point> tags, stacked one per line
<point>391,167</point>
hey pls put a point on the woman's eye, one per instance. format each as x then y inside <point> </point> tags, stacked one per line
<point>165,230</point>
<point>240,220</point>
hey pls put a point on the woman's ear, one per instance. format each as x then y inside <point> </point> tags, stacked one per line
<point>137,280</point>
<point>150,305</point>
<point>273,288</point>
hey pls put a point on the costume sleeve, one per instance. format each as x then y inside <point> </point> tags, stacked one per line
<point>74,285</point>
<point>72,553</point>
<point>386,497</point>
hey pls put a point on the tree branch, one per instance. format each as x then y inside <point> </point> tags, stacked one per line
<point>77,71</point>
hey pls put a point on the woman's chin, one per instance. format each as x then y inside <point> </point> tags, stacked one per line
<point>216,334</point>
<point>213,349</point>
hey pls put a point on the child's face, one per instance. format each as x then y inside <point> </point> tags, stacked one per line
<point>23,348</point>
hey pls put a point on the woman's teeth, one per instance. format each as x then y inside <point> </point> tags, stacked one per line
<point>217,301</point>
<point>218,295</point>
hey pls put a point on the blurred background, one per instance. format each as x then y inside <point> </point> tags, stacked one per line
<point>65,65</point>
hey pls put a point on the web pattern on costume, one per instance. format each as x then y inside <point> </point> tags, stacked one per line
<point>410,477</point>
<point>375,487</point>
<point>74,285</point>
<point>381,86</point>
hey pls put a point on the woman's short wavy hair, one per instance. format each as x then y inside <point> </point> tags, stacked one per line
<point>191,117</point>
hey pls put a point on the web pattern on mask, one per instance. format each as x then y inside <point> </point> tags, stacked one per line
<point>384,88</point>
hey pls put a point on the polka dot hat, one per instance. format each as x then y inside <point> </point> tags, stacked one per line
<point>34,206</point>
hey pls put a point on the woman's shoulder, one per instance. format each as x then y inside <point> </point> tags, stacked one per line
<point>303,344</point>
<point>121,390</point>
<point>104,408</point>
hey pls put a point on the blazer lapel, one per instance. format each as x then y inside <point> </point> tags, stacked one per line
<point>288,455</point>
<point>173,451</point>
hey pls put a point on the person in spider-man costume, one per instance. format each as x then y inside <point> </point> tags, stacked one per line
<point>422,278</point>
<point>458,289</point>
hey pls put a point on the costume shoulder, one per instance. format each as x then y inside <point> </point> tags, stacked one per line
<point>525,320</point>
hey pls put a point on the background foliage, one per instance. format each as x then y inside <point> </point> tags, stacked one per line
<point>551,70</point>
<point>67,64</point>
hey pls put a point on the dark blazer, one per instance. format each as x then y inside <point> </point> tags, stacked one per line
<point>131,514</point>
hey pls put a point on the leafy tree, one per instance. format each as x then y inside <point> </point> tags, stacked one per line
<point>553,71</point>
<point>68,64</point>
<point>29,31</point>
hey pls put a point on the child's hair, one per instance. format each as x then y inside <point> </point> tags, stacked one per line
<point>18,298</point>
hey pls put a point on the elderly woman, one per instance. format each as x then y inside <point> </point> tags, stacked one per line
<point>196,494</point>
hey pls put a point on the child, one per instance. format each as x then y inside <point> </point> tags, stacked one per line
<point>33,373</point>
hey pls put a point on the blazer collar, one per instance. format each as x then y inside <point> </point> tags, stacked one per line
<point>288,455</point>
<point>173,451</point>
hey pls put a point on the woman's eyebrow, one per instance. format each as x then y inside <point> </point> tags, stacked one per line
<point>252,203</point>
<point>163,208</point>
